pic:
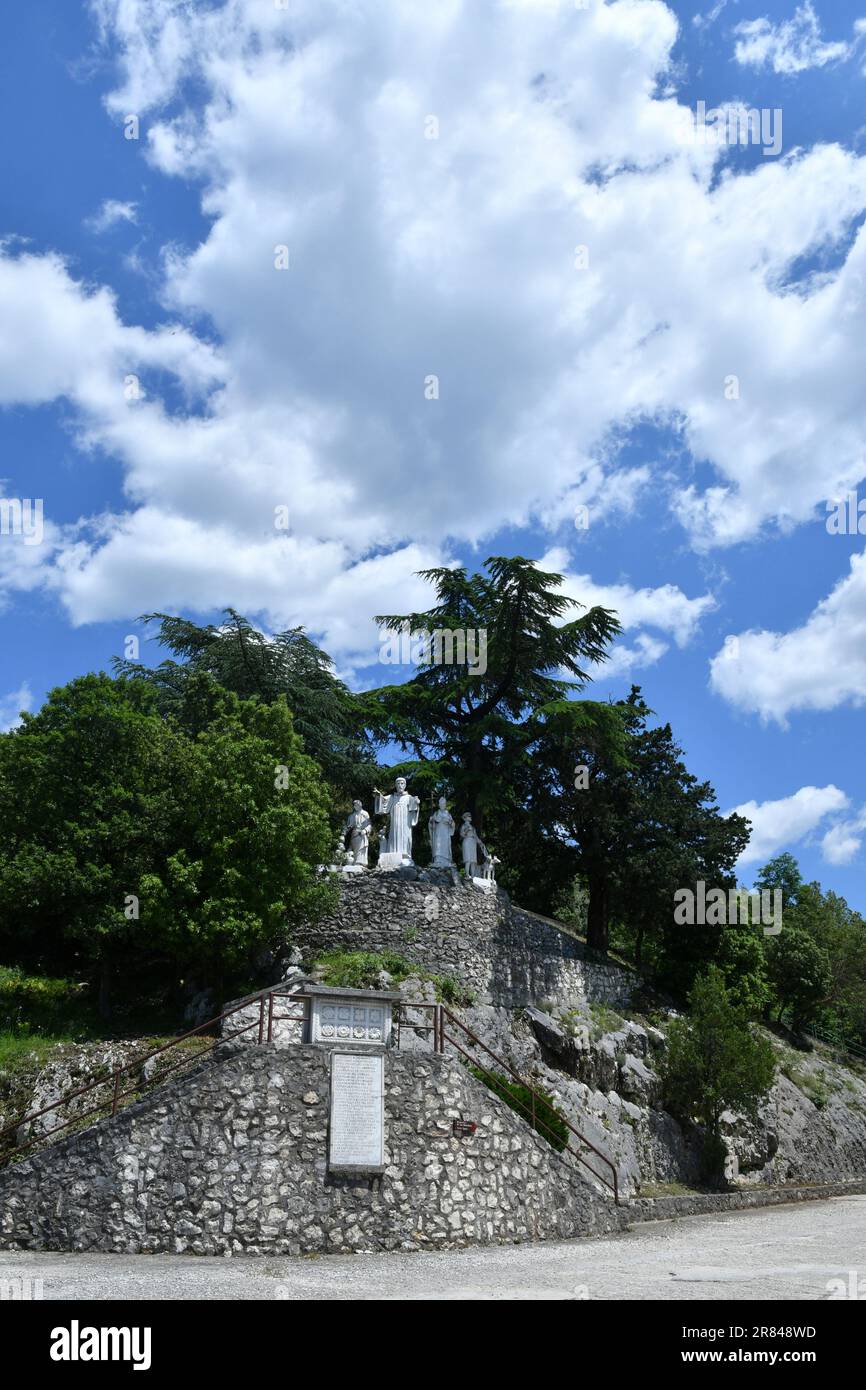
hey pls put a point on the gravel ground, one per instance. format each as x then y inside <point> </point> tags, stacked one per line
<point>777,1253</point>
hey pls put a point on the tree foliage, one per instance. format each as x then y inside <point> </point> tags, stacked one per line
<point>244,660</point>
<point>799,972</point>
<point>127,837</point>
<point>639,825</point>
<point>715,1061</point>
<point>468,732</point>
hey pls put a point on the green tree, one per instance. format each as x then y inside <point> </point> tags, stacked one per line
<point>782,872</point>
<point>128,838</point>
<point>798,969</point>
<point>639,826</point>
<point>289,665</point>
<point>840,931</point>
<point>741,957</point>
<point>714,1062</point>
<point>467,730</point>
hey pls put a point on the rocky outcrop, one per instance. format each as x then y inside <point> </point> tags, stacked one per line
<point>36,1084</point>
<point>602,1070</point>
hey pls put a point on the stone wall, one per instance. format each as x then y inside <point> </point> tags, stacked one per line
<point>503,954</point>
<point>232,1158</point>
<point>705,1203</point>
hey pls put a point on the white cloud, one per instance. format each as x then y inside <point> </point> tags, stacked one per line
<point>665,609</point>
<point>456,256</point>
<point>778,825</point>
<point>842,841</point>
<point>291,580</point>
<point>820,665</point>
<point>452,256</point>
<point>791,46</point>
<point>60,339</point>
<point>12,705</point>
<point>626,660</point>
<point>110,214</point>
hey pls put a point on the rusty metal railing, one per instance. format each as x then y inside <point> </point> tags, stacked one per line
<point>447,1030</point>
<point>264,1024</point>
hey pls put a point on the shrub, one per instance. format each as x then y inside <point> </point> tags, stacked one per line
<point>548,1122</point>
<point>714,1062</point>
<point>352,969</point>
<point>40,1003</point>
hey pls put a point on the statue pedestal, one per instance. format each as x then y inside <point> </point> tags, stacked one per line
<point>390,860</point>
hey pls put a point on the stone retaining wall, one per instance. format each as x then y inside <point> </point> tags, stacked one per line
<point>233,1159</point>
<point>504,955</point>
<point>702,1203</point>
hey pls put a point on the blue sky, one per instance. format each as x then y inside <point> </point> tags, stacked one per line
<point>559,387</point>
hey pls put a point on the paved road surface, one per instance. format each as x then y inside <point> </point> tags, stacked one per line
<point>770,1253</point>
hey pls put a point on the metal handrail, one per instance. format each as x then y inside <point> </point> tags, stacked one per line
<point>812,1030</point>
<point>440,1037</point>
<point>264,1023</point>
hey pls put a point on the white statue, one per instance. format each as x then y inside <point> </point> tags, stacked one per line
<point>471,842</point>
<point>488,869</point>
<point>441,827</point>
<point>402,812</point>
<point>358,827</point>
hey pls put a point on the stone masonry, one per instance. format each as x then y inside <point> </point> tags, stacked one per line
<point>232,1159</point>
<point>502,954</point>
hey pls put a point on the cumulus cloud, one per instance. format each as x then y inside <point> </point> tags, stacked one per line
<point>61,339</point>
<point>791,46</point>
<point>432,172</point>
<point>841,843</point>
<point>455,254</point>
<point>819,665</point>
<point>665,609</point>
<point>778,825</point>
<point>12,706</point>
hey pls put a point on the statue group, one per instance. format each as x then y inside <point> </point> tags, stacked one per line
<point>403,811</point>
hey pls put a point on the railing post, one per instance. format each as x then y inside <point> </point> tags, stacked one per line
<point>116,1090</point>
<point>261,1019</point>
<point>271,1016</point>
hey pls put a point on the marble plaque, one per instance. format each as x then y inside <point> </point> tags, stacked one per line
<point>351,1020</point>
<point>357,1131</point>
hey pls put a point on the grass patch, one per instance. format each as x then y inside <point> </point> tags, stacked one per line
<point>605,1020</point>
<point>361,970</point>
<point>814,1088</point>
<point>548,1123</point>
<point>46,1004</point>
<point>21,1050</point>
